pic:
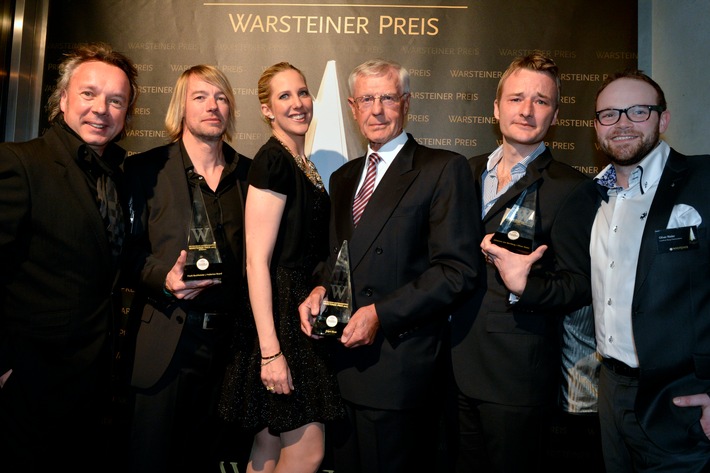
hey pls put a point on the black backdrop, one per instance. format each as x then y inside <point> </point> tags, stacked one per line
<point>455,52</point>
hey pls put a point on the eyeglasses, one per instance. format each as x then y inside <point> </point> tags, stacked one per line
<point>387,100</point>
<point>636,113</point>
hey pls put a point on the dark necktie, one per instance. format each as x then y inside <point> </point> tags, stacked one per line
<point>368,187</point>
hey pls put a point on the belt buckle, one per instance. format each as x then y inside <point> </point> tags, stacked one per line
<point>206,319</point>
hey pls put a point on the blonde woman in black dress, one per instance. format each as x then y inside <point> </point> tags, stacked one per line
<point>290,389</point>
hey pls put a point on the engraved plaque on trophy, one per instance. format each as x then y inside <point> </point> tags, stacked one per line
<point>203,260</point>
<point>517,228</point>
<point>338,303</point>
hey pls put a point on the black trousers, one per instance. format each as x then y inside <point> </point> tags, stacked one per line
<point>498,438</point>
<point>626,446</point>
<point>175,427</point>
<point>387,441</point>
<point>56,428</point>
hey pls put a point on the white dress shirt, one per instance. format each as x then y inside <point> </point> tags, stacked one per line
<point>387,152</point>
<point>614,248</point>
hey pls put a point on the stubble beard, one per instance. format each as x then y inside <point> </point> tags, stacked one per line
<point>210,138</point>
<point>630,155</point>
<point>207,136</point>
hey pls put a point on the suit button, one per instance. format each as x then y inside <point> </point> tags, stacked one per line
<point>368,292</point>
<point>335,250</point>
<point>378,250</point>
<point>179,319</point>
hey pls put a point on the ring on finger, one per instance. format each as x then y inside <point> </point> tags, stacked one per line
<point>270,388</point>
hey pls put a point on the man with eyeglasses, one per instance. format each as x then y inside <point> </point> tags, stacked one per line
<point>413,251</point>
<point>651,286</point>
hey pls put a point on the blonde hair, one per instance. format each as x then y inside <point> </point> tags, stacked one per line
<point>264,83</point>
<point>535,61</point>
<point>176,110</point>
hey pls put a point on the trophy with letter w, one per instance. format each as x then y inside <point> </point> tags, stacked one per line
<point>203,260</point>
<point>517,228</point>
<point>338,303</point>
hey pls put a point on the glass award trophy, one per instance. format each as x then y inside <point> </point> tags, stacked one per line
<point>338,303</point>
<point>203,260</point>
<point>517,228</point>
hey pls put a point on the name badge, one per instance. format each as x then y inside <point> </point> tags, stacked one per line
<point>677,239</point>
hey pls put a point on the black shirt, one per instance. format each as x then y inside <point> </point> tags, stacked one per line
<point>226,215</point>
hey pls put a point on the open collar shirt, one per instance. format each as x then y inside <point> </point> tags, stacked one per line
<point>614,248</point>
<point>489,180</point>
<point>226,217</point>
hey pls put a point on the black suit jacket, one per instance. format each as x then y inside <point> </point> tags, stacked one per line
<point>56,282</point>
<point>414,252</point>
<point>161,210</point>
<point>509,354</point>
<point>671,310</point>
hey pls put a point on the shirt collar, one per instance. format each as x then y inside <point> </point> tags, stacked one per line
<point>646,174</point>
<point>230,161</point>
<point>186,161</point>
<point>109,162</point>
<point>497,155</point>
<point>652,166</point>
<point>607,177</point>
<point>389,150</point>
